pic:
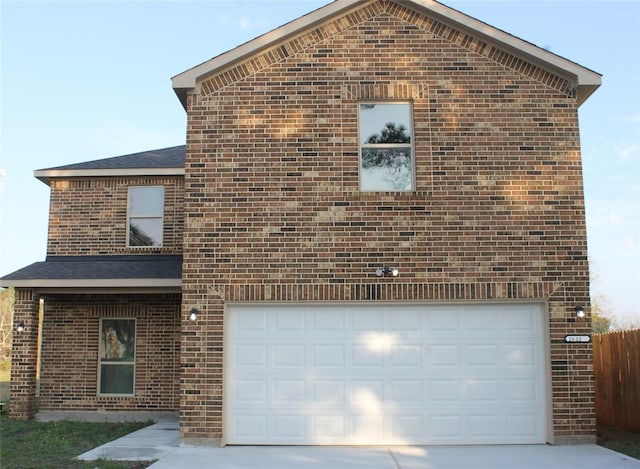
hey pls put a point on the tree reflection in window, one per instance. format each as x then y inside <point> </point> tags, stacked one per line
<point>117,356</point>
<point>386,147</point>
<point>146,214</point>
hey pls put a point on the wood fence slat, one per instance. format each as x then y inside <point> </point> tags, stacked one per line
<point>616,368</point>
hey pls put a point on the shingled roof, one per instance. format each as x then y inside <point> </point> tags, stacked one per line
<point>130,272</point>
<point>165,161</point>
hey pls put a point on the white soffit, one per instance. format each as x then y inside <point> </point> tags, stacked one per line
<point>45,175</point>
<point>127,283</point>
<point>585,80</point>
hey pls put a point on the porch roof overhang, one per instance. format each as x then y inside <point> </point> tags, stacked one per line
<point>104,274</point>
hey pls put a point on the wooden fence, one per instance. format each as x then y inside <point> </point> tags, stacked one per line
<point>616,366</point>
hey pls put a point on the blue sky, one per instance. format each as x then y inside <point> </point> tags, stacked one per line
<point>87,80</point>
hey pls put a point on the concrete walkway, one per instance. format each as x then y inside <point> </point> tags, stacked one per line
<point>151,443</point>
<point>159,442</point>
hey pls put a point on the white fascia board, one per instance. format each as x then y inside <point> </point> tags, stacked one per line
<point>583,77</point>
<point>47,174</point>
<point>585,80</point>
<point>127,283</point>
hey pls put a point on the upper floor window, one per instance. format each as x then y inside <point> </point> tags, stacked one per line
<point>145,215</point>
<point>386,146</point>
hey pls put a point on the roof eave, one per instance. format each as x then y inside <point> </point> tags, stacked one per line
<point>187,80</point>
<point>45,175</point>
<point>95,284</point>
<point>584,91</point>
<point>584,80</point>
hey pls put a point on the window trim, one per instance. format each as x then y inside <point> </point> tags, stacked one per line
<point>410,145</point>
<point>146,217</point>
<point>107,362</point>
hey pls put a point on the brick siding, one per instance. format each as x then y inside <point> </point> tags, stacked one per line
<point>274,212</point>
<point>88,216</point>
<point>23,356</point>
<point>70,354</point>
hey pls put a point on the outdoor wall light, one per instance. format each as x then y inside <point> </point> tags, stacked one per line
<point>20,327</point>
<point>580,312</point>
<point>193,314</point>
<point>386,270</point>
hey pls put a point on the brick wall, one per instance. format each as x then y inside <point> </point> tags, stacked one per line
<point>88,216</point>
<point>70,353</point>
<point>23,356</point>
<point>274,211</point>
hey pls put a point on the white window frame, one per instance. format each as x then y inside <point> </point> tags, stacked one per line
<point>149,216</point>
<point>105,361</point>
<point>410,146</point>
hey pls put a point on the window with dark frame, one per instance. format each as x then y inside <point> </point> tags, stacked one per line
<point>145,216</point>
<point>386,146</point>
<point>117,357</point>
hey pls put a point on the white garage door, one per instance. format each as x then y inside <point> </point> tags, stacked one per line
<point>332,375</point>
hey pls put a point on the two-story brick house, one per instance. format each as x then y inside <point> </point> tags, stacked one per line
<point>375,234</point>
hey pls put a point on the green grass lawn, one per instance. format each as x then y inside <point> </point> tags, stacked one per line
<point>35,444</point>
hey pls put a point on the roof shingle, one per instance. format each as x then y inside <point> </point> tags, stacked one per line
<point>80,270</point>
<point>172,157</point>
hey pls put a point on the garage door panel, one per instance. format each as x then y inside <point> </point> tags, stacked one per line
<point>328,321</point>
<point>290,427</point>
<point>367,355</point>
<point>518,322</point>
<point>407,427</point>
<point>406,355</point>
<point>368,428</point>
<point>366,395</point>
<point>407,392</point>
<point>442,320</point>
<point>364,319</point>
<point>445,428</point>
<point>409,321</point>
<point>328,428</point>
<point>251,426</point>
<point>483,322</point>
<point>289,392</point>
<point>329,392</point>
<point>446,355</point>
<point>482,354</point>
<point>384,375</point>
<point>289,355</point>
<point>251,392</point>
<point>484,390</point>
<point>328,355</point>
<point>250,355</point>
<point>484,427</point>
<point>523,426</point>
<point>520,390</point>
<point>251,321</point>
<point>520,354</point>
<point>289,321</point>
<point>445,390</point>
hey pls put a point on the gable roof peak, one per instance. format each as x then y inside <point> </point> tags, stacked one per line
<point>583,82</point>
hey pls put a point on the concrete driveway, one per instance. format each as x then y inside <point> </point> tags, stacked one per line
<point>413,457</point>
<point>160,442</point>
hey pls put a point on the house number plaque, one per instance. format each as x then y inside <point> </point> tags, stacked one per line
<point>577,338</point>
